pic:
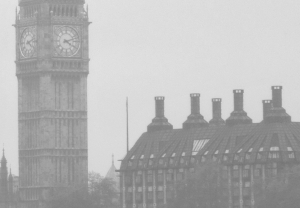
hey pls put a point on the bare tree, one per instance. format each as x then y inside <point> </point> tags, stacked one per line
<point>204,188</point>
<point>282,191</point>
<point>100,193</point>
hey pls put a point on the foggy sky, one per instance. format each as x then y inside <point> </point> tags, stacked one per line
<point>171,48</point>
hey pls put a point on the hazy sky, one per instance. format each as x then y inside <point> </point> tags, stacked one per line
<point>171,48</point>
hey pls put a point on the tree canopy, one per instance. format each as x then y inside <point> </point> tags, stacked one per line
<point>100,193</point>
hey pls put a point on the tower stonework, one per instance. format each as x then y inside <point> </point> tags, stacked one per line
<point>52,65</point>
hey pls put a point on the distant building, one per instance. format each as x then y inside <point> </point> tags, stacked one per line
<point>163,156</point>
<point>112,174</point>
<point>7,193</point>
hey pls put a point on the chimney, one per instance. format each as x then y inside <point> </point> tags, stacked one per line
<point>195,103</point>
<point>159,107</point>
<point>267,105</point>
<point>238,116</point>
<point>195,120</point>
<point>277,114</point>
<point>277,96</point>
<point>216,112</point>
<point>238,100</point>
<point>159,122</point>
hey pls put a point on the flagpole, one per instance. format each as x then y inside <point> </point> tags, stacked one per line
<point>127,125</point>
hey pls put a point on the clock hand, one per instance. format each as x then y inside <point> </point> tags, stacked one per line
<point>67,41</point>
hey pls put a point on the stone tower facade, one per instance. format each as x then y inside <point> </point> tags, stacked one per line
<point>52,65</point>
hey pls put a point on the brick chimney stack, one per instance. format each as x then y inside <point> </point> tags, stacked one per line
<point>217,112</point>
<point>195,120</point>
<point>238,116</point>
<point>159,122</point>
<point>267,105</point>
<point>277,114</point>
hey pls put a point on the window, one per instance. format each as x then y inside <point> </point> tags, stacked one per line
<point>235,173</point>
<point>161,161</point>
<point>160,195</point>
<point>149,179</point>
<point>138,179</point>
<point>198,145</point>
<point>245,173</point>
<point>179,176</point>
<point>150,162</point>
<point>236,184</point>
<point>150,195</point>
<point>160,178</point>
<point>256,172</point>
<point>236,192</point>
<point>292,155</point>
<point>171,161</point>
<point>246,191</point>
<point>140,162</point>
<point>247,184</point>
<point>169,177</point>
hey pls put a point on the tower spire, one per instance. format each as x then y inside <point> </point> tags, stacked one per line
<point>113,159</point>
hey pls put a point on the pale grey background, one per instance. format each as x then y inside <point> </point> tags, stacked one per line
<point>144,48</point>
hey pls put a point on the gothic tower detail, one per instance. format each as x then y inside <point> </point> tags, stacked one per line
<point>3,183</point>
<point>52,65</point>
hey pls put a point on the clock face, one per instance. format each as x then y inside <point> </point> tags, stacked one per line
<point>67,41</point>
<point>28,42</point>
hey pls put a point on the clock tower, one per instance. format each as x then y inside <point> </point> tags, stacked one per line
<point>52,65</point>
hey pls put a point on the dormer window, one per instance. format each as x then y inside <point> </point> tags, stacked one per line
<point>250,150</point>
<point>217,152</point>
<point>261,149</point>
<point>132,157</point>
<point>183,154</point>
<point>225,157</point>
<point>206,153</point>
<point>161,161</point>
<point>164,155</point>
<point>130,163</point>
<point>140,162</point>
<point>272,149</point>
<point>259,156</point>
<point>152,156</point>
<point>236,157</point>
<point>150,162</point>
<point>227,151</point>
<point>240,151</point>
<point>142,157</point>
<point>291,155</point>
<point>173,155</point>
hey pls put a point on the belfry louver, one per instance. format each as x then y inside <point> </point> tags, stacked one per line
<point>160,122</point>
<point>238,116</point>
<point>195,120</point>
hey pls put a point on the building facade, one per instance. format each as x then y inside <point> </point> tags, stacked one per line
<point>52,65</point>
<point>163,156</point>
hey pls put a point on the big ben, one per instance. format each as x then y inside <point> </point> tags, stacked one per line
<point>52,65</point>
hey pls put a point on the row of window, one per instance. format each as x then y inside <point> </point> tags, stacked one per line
<point>64,10</point>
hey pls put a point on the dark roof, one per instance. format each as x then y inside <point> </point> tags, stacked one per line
<point>214,141</point>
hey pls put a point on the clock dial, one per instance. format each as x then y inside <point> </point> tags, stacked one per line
<point>66,41</point>
<point>28,42</point>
